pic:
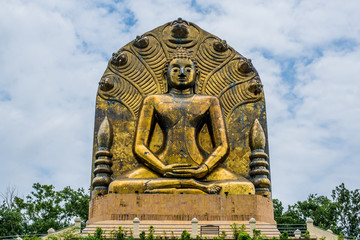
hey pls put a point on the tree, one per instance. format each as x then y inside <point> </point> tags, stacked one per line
<point>76,203</point>
<point>348,210</point>
<point>8,197</point>
<point>42,209</point>
<point>10,221</point>
<point>341,214</point>
<point>287,217</point>
<point>320,208</point>
<point>10,216</point>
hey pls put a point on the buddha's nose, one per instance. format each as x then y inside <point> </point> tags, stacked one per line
<point>182,72</point>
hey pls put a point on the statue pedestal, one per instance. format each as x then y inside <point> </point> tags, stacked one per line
<point>185,207</point>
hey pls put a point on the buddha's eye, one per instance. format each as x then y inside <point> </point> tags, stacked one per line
<point>175,69</point>
<point>188,69</point>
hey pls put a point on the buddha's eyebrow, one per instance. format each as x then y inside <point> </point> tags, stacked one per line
<point>175,65</point>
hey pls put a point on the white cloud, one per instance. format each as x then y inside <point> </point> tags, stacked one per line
<point>53,54</point>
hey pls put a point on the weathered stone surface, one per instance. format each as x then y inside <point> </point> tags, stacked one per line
<point>184,207</point>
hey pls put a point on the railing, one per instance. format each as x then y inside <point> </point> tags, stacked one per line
<point>168,230</point>
<point>22,236</point>
<point>176,229</point>
<point>194,228</point>
<point>107,228</point>
<point>291,228</point>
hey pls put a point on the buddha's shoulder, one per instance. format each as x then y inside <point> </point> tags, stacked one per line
<point>205,96</point>
<point>155,98</point>
<point>160,97</point>
<point>209,98</point>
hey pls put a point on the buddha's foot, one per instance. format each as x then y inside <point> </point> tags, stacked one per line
<point>164,190</point>
<point>213,189</point>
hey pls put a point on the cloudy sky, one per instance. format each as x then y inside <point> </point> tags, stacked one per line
<point>53,53</point>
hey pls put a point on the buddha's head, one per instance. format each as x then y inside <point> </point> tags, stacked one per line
<point>181,71</point>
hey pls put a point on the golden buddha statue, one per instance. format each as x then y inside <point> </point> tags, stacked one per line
<point>199,129</point>
<point>181,165</point>
<point>178,111</point>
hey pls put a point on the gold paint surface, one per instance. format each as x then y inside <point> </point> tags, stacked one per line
<point>185,127</point>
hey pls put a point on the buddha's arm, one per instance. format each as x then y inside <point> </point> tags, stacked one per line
<point>217,125</point>
<point>144,129</point>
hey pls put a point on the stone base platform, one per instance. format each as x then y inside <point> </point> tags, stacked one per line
<point>185,207</point>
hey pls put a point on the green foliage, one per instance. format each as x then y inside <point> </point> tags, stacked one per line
<point>142,235</point>
<point>71,233</point>
<point>257,235</point>
<point>10,221</point>
<point>76,203</point>
<point>223,235</point>
<point>284,236</point>
<point>348,210</point>
<point>185,235</point>
<point>235,231</point>
<point>244,236</point>
<point>99,233</point>
<point>172,236</point>
<point>131,235</point>
<point>119,234</point>
<point>164,236</point>
<point>27,237</point>
<point>320,208</point>
<point>341,214</point>
<point>151,233</point>
<point>89,237</point>
<point>42,209</point>
<point>278,208</point>
<point>53,237</point>
<point>341,237</point>
<point>239,233</point>
<point>307,235</point>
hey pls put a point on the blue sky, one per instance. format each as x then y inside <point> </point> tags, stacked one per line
<point>53,53</point>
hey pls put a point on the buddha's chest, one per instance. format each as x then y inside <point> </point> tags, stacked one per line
<point>181,112</point>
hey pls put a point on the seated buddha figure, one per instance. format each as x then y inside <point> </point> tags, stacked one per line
<point>181,165</point>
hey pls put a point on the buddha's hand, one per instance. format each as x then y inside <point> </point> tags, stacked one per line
<point>190,172</point>
<point>172,167</point>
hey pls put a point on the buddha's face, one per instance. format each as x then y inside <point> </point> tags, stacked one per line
<point>181,73</point>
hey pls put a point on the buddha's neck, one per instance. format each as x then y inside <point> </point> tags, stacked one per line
<point>184,92</point>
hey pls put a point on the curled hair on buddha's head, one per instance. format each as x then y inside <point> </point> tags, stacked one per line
<point>180,53</point>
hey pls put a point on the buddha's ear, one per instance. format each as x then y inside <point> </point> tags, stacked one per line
<point>197,80</point>
<point>166,83</point>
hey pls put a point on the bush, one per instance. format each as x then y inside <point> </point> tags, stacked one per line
<point>257,235</point>
<point>151,233</point>
<point>142,235</point>
<point>185,235</point>
<point>239,232</point>
<point>284,236</point>
<point>223,235</point>
<point>307,235</point>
